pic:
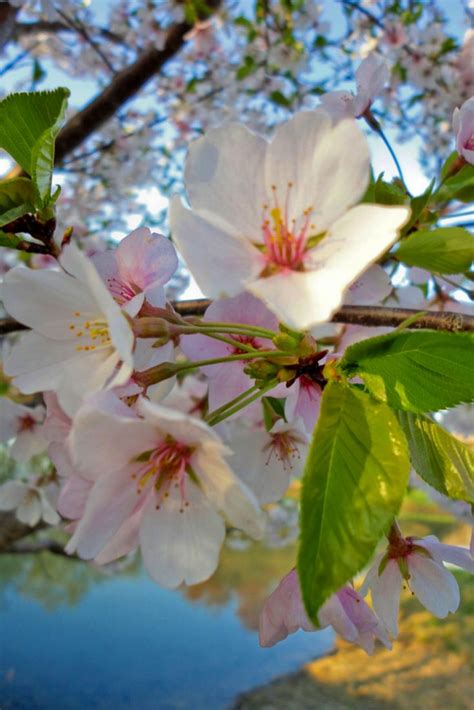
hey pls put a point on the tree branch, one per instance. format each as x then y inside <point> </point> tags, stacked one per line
<point>12,530</point>
<point>7,22</point>
<point>125,84</point>
<point>372,316</point>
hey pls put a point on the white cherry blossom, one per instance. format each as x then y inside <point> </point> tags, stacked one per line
<point>277,218</point>
<point>80,340</point>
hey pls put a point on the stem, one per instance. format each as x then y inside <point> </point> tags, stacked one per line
<point>378,128</point>
<point>220,410</point>
<point>233,343</point>
<point>238,327</point>
<point>232,358</point>
<point>269,386</point>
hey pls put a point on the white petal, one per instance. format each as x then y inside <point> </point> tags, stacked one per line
<point>85,375</point>
<point>226,492</point>
<point>290,159</point>
<point>28,444</point>
<point>124,541</point>
<point>224,176</point>
<point>459,556</point>
<point>46,300</point>
<point>182,427</point>
<point>181,547</point>
<point>48,513</point>
<point>303,299</point>
<point>435,586</point>
<point>103,440</point>
<point>385,591</point>
<point>29,510</point>
<point>11,494</point>
<point>340,172</point>
<point>219,261</point>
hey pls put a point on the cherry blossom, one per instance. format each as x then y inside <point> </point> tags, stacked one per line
<point>159,480</point>
<point>463,125</point>
<point>25,425</point>
<point>371,77</point>
<point>30,502</point>
<point>277,218</point>
<point>418,561</point>
<point>346,611</point>
<point>80,341</point>
<point>266,460</point>
<point>138,268</point>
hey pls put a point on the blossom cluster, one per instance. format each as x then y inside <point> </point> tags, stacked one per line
<point>165,429</point>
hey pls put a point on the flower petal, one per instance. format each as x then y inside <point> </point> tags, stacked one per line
<point>435,586</point>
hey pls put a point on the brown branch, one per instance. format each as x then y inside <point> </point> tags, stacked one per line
<point>22,29</point>
<point>372,316</point>
<point>12,530</point>
<point>124,86</point>
<point>40,546</point>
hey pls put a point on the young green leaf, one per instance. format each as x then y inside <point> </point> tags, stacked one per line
<point>16,199</point>
<point>443,461</point>
<point>354,481</point>
<point>29,124</point>
<point>459,186</point>
<point>448,250</point>
<point>421,371</point>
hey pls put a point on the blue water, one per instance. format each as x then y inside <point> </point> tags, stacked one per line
<point>125,643</point>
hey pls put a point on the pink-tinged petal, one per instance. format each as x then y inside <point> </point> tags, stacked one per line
<point>61,459</point>
<point>106,435</point>
<point>339,105</point>
<point>243,308</point>
<point>226,492</point>
<point>200,347</point>
<point>111,501</point>
<point>181,547</point>
<point>373,286</point>
<point>124,541</point>
<point>385,592</point>
<point>225,171</point>
<point>371,77</point>
<point>368,626</point>
<point>226,382</point>
<point>73,497</point>
<point>220,262</point>
<point>283,612</point>
<point>106,265</point>
<point>183,428</point>
<point>57,424</point>
<point>290,161</point>
<point>435,586</point>
<point>11,494</point>
<point>332,613</point>
<point>304,401</point>
<point>265,474</point>
<point>146,259</point>
<point>459,556</point>
<point>46,300</point>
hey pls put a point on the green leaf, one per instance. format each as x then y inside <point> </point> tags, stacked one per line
<point>417,206</point>
<point>389,193</point>
<point>353,485</point>
<point>29,124</point>
<point>16,199</point>
<point>421,371</point>
<point>9,240</point>
<point>460,186</point>
<point>279,99</point>
<point>439,458</point>
<point>448,250</point>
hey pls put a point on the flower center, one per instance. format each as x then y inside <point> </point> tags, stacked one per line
<point>284,445</point>
<point>120,290</point>
<point>26,423</point>
<point>469,144</point>
<point>168,465</point>
<point>285,241</point>
<point>91,334</point>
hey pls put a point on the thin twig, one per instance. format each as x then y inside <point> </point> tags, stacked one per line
<point>371,316</point>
